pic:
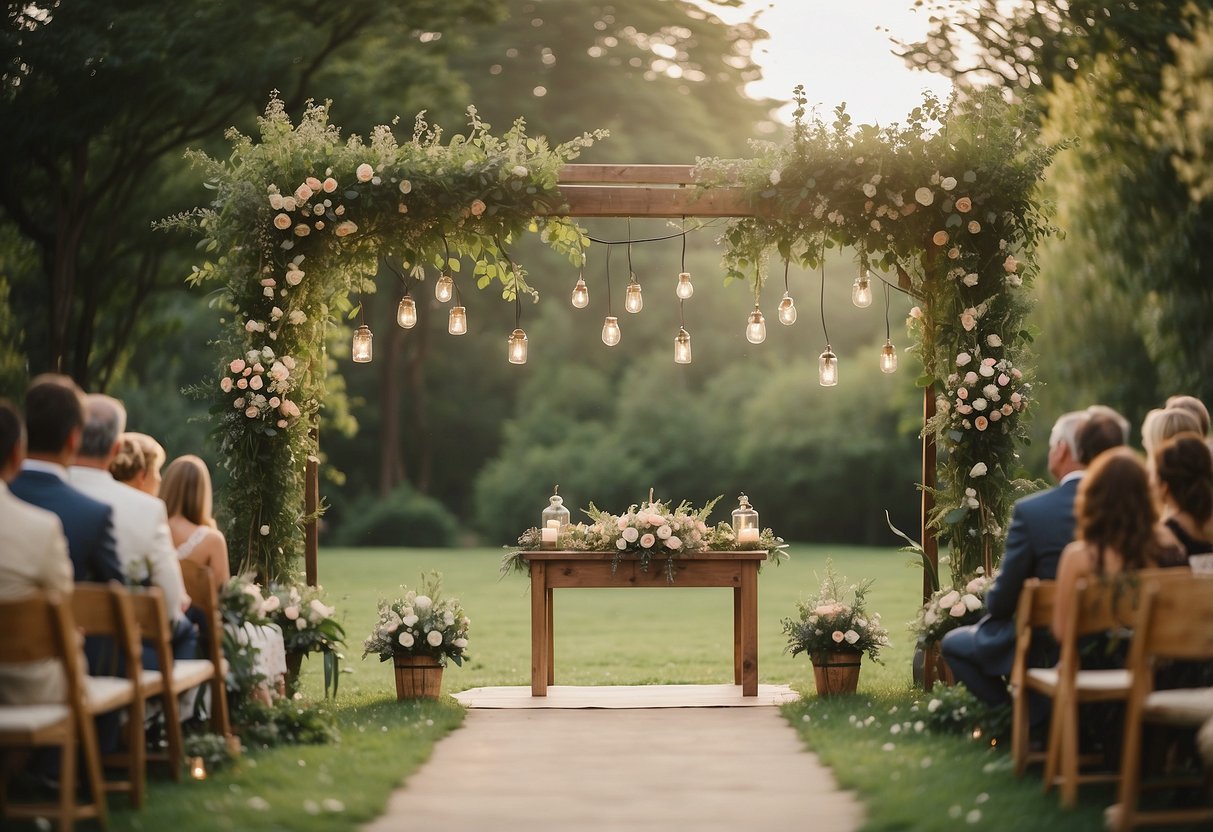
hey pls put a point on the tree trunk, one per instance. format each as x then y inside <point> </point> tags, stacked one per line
<point>392,469</point>
<point>415,377</point>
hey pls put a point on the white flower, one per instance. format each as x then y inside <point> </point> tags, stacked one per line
<point>621,544</point>
<point>664,532</point>
<point>980,404</point>
<point>405,186</point>
<point>433,638</point>
<point>364,172</point>
<point>929,617</point>
<point>406,639</point>
<point>270,604</point>
<point>461,643</point>
<point>673,543</point>
<point>971,602</point>
<point>301,623</point>
<point>851,636</point>
<point>345,228</point>
<point>775,177</point>
<point>630,534</point>
<point>297,316</point>
<point>924,196</point>
<point>265,530</point>
<point>948,183</point>
<point>970,279</point>
<point>949,598</point>
<point>968,320</point>
<point>448,618</point>
<point>916,312</point>
<point>986,370</point>
<point>974,226</point>
<point>423,602</point>
<point>994,340</point>
<point>1010,264</point>
<point>963,359</point>
<point>975,586</point>
<point>291,612</point>
<point>970,377</point>
<point>978,470</point>
<point>409,620</point>
<point>321,609</point>
<point>869,190</point>
<point>519,170</point>
<point>1014,280</point>
<point>934,705</point>
<point>958,609</point>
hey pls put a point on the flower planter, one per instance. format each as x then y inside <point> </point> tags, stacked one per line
<point>294,667</point>
<point>417,677</point>
<point>837,672</point>
<point>935,669</point>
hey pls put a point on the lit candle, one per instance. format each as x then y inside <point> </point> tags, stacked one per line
<point>749,535</point>
<point>547,536</point>
<point>198,768</point>
<point>553,524</point>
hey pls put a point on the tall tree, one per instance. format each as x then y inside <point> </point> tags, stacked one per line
<point>99,99</point>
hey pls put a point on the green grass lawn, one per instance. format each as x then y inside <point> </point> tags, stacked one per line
<point>664,635</point>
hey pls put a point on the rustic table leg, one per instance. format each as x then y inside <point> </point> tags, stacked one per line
<point>539,629</point>
<point>551,652</point>
<point>737,635</point>
<point>749,623</point>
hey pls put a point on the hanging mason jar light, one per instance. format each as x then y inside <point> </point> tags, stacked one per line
<point>444,288</point>
<point>827,368</point>
<point>457,321</point>
<point>787,310</point>
<point>861,290</point>
<point>888,358</point>
<point>756,327</point>
<point>406,312</point>
<point>633,301</point>
<point>685,287</point>
<point>610,331</point>
<point>581,294</point>
<point>682,347</point>
<point>517,347</point>
<point>361,346</point>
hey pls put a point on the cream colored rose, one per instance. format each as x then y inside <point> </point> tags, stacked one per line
<point>282,222</point>
<point>364,172</point>
<point>345,228</point>
<point>964,205</point>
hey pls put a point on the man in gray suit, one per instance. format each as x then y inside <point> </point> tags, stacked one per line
<point>980,655</point>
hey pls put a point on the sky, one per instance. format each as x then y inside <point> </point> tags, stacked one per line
<point>841,51</point>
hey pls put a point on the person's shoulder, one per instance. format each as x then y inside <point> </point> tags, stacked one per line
<point>34,519</point>
<point>1046,498</point>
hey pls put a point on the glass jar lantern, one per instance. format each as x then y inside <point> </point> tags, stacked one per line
<point>745,521</point>
<point>555,512</point>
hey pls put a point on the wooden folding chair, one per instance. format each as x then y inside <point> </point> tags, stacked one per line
<point>1176,623</point>
<point>201,588</point>
<point>105,610</point>
<point>1100,606</point>
<point>1035,611</point>
<point>40,628</point>
<point>153,623</point>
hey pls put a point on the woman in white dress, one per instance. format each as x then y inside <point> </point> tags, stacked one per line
<point>186,490</point>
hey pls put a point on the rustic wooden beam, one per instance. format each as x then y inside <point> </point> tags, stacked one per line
<point>627,175</point>
<point>647,201</point>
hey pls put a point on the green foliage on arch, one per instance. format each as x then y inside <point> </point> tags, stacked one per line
<point>946,205</point>
<point>301,220</point>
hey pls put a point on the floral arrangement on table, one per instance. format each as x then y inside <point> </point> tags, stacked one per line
<point>651,529</point>
<point>836,619</point>
<point>949,608</point>
<point>302,218</point>
<point>945,204</point>
<point>308,626</point>
<point>420,623</point>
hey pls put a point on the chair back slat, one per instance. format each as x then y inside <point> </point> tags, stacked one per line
<point>32,628</point>
<point>200,586</point>
<point>1177,619</point>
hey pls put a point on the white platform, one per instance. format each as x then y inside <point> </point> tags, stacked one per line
<point>627,696</point>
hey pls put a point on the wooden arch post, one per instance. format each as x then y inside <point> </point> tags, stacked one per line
<point>668,192</point>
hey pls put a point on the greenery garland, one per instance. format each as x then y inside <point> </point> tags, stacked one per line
<point>947,205</point>
<point>302,219</point>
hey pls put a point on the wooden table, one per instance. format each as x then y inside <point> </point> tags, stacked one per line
<point>552,570</point>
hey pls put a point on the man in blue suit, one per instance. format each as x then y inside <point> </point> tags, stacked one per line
<point>54,418</point>
<point>980,655</point>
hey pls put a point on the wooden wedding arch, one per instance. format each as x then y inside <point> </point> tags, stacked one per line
<point>657,192</point>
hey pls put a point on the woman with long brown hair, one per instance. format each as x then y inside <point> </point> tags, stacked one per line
<point>1117,527</point>
<point>1183,476</point>
<point>186,491</point>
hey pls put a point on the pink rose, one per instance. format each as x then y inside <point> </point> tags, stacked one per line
<point>329,185</point>
<point>968,321</point>
<point>302,230</point>
<point>364,172</point>
<point>477,207</point>
<point>1010,264</point>
<point>940,238</point>
<point>303,193</point>
<point>673,542</point>
<point>225,384</point>
<point>958,609</point>
<point>237,365</point>
<point>255,382</point>
<point>647,540</point>
<point>974,226</point>
<point>313,183</point>
<point>251,413</point>
<point>981,423</point>
<point>837,636</point>
<point>964,205</point>
<point>345,228</point>
<point>282,222</point>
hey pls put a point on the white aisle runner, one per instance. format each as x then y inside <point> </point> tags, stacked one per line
<point>634,770</point>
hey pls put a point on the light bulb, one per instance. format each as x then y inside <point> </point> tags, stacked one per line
<point>787,310</point>
<point>610,331</point>
<point>361,347</point>
<point>861,291</point>
<point>581,295</point>
<point>517,347</point>
<point>682,347</point>
<point>444,289</point>
<point>198,768</point>
<point>756,329</point>
<point>888,358</point>
<point>685,287</point>
<point>632,299</point>
<point>827,368</point>
<point>406,312</point>
<point>457,322</point>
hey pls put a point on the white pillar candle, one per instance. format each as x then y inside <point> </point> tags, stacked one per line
<point>749,535</point>
<point>547,536</point>
<point>553,524</point>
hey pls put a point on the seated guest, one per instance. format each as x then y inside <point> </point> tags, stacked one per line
<point>33,556</point>
<point>1117,528</point>
<point>54,418</point>
<point>1160,425</point>
<point>138,463</point>
<point>145,546</point>
<point>1183,476</point>
<point>1104,429</point>
<point>1194,406</point>
<point>980,655</point>
<point>187,494</point>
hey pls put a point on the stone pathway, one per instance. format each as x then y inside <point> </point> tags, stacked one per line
<point>635,770</point>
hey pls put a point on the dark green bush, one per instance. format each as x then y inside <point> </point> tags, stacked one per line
<point>403,518</point>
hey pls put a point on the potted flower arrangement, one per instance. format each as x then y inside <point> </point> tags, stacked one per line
<point>419,632</point>
<point>835,629</point>
<point>308,626</point>
<point>947,609</point>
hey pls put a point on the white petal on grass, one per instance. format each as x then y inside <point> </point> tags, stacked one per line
<point>974,816</point>
<point>332,804</point>
<point>258,803</point>
<point>311,807</point>
<point>955,811</point>
<point>888,746</point>
<point>981,798</point>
